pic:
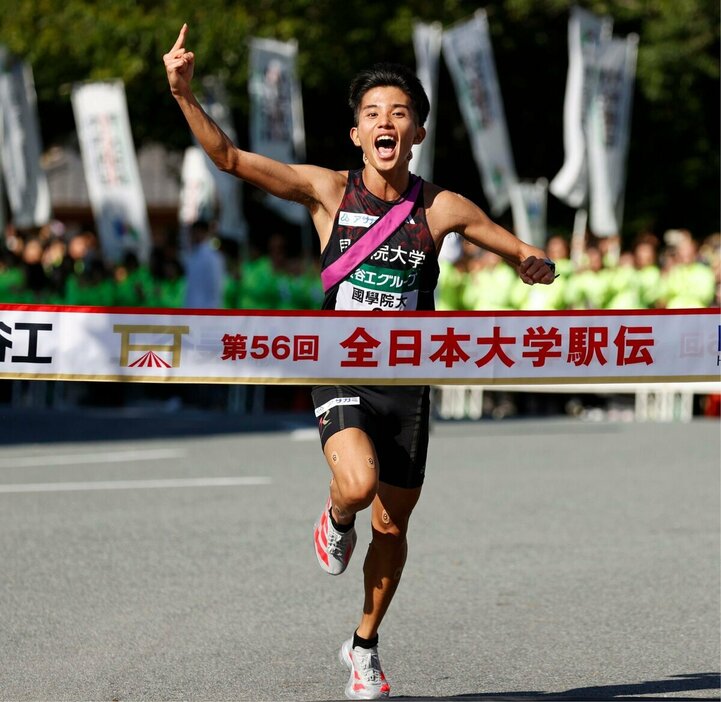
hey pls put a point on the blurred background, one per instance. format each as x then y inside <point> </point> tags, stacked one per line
<point>590,129</point>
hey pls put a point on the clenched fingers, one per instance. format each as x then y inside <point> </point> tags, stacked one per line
<point>536,270</point>
<point>178,56</point>
<point>176,62</point>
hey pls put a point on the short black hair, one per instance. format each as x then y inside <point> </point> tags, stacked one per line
<point>394,75</point>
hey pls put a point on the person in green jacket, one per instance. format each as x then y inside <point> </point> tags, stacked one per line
<point>92,286</point>
<point>490,281</point>
<point>645,260</point>
<point>133,282</point>
<point>588,288</point>
<point>624,284</point>
<point>688,282</point>
<point>265,278</point>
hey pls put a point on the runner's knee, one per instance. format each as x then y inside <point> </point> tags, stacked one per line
<point>357,487</point>
<point>389,528</point>
<point>392,512</point>
<point>354,465</point>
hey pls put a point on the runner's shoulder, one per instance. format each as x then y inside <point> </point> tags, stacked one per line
<point>446,209</point>
<point>437,196</point>
<point>320,176</point>
<point>327,186</point>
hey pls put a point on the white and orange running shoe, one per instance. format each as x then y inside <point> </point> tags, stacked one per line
<point>366,681</point>
<point>332,547</point>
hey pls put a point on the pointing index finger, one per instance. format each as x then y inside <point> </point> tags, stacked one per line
<point>180,41</point>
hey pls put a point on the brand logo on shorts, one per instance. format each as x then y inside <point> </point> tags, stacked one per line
<point>324,422</point>
<point>323,409</point>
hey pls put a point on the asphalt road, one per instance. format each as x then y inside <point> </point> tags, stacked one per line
<point>548,559</point>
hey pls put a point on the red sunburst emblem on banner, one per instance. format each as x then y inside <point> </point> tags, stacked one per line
<point>149,360</point>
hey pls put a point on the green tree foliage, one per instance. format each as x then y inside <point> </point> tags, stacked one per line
<point>673,174</point>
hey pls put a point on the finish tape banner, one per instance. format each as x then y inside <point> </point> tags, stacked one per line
<point>247,346</point>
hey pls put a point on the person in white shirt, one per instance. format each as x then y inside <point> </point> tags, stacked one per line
<point>204,270</point>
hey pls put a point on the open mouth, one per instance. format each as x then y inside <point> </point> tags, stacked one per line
<point>385,146</point>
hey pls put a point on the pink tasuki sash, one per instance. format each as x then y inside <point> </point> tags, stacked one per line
<point>372,240</point>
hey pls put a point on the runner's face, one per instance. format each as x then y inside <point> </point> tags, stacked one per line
<point>386,128</point>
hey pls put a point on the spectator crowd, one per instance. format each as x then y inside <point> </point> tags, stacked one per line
<point>674,271</point>
<point>60,265</point>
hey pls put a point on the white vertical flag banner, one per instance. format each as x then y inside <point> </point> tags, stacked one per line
<point>228,188</point>
<point>276,111</point>
<point>586,33</point>
<point>3,217</point>
<point>609,131</point>
<point>469,55</point>
<point>197,188</point>
<point>111,169</point>
<point>529,201</point>
<point>427,41</point>
<point>26,183</point>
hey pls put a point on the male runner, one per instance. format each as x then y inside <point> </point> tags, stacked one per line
<point>375,439</point>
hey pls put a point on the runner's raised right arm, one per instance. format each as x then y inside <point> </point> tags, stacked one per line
<point>309,185</point>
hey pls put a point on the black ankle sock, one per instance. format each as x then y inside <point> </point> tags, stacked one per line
<point>342,528</point>
<point>364,643</point>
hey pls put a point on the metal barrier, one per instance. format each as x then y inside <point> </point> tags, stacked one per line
<point>654,402</point>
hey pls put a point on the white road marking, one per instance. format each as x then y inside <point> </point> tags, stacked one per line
<point>73,459</point>
<point>304,435</point>
<point>135,484</point>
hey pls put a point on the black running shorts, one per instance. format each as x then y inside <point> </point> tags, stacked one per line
<point>394,417</point>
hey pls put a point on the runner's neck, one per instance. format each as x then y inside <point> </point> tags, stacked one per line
<point>388,187</point>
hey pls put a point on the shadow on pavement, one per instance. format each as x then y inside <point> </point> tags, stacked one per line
<point>23,426</point>
<point>663,688</point>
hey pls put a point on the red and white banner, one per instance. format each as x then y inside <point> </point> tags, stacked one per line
<point>184,346</point>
